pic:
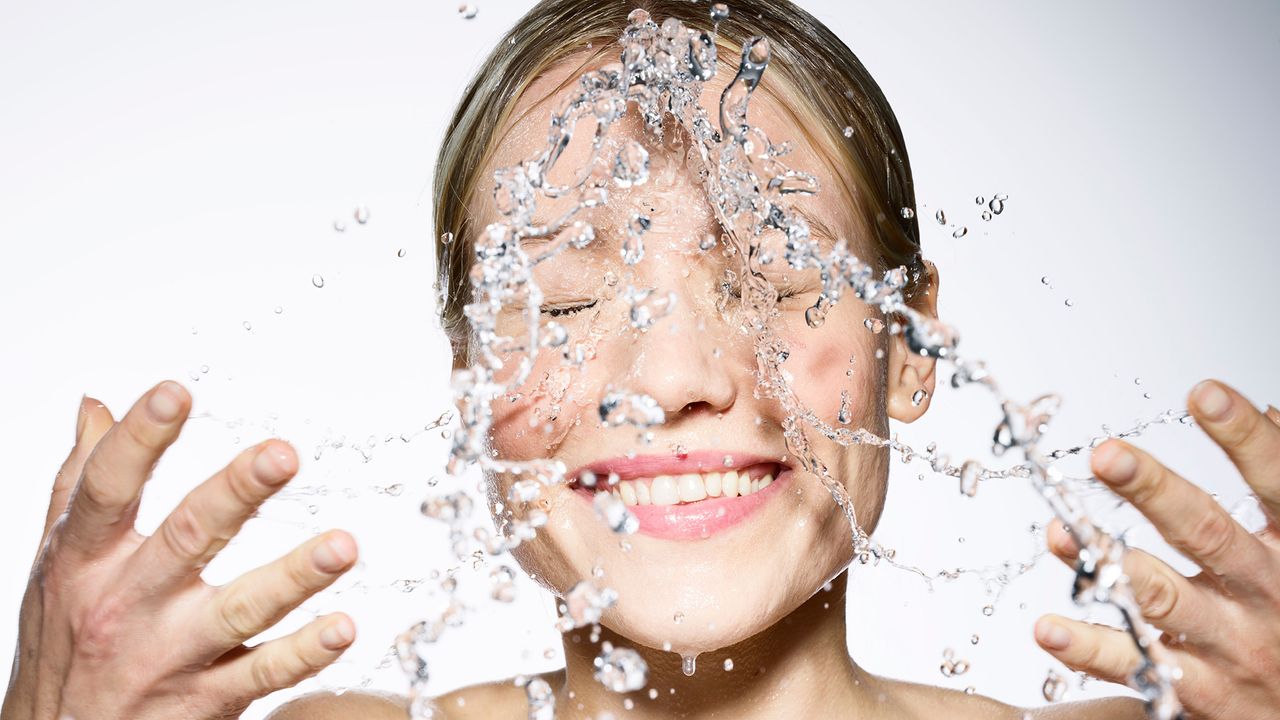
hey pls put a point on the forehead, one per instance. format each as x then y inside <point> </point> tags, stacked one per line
<point>773,109</point>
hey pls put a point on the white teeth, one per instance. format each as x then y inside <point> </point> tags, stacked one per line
<point>712,481</point>
<point>642,492</point>
<point>729,484</point>
<point>662,491</point>
<point>628,492</point>
<point>691,488</point>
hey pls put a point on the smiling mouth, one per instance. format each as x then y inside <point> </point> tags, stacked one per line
<point>685,497</point>
<point>693,487</point>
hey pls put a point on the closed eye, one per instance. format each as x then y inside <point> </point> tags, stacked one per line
<point>560,311</point>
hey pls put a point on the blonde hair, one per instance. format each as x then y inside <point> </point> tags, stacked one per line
<point>838,93</point>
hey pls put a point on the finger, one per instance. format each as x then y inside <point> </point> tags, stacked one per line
<point>260,598</point>
<point>1273,414</point>
<point>1166,598</point>
<point>286,661</point>
<point>211,514</point>
<point>1251,442</point>
<point>93,420</point>
<point>106,499</point>
<point>1186,516</point>
<point>1103,652</point>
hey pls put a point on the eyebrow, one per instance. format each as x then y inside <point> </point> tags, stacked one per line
<point>825,233</point>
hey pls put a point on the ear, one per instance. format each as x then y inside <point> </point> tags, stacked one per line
<point>908,373</point>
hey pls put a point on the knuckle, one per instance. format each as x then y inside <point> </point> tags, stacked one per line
<point>1211,536</point>
<point>299,571</point>
<point>271,671</point>
<point>1157,598</point>
<point>183,533</point>
<point>240,613</point>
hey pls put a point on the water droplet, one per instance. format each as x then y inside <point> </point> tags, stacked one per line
<point>848,131</point>
<point>908,213</point>
<point>339,225</point>
<point>631,167</point>
<point>941,217</point>
<point>502,584</point>
<point>844,415</point>
<point>719,12</point>
<point>973,639</point>
<point>728,664</point>
<point>918,397</point>
<point>317,280</point>
<point>689,664</point>
<point>248,326</point>
<point>361,214</point>
<point>622,670</point>
<point>614,512</point>
<point>1044,280</point>
<point>970,474</point>
<point>988,610</point>
<point>400,252</point>
<point>875,325</point>
<point>278,309</point>
<point>1054,688</point>
<point>960,232</point>
<point>467,11</point>
<point>677,618</point>
<point>997,204</point>
<point>1069,302</point>
<point>1137,381</point>
<point>986,215</point>
<point>979,200</point>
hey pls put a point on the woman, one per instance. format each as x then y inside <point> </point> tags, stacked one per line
<point>738,569</point>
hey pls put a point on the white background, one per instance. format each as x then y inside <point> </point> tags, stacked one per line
<point>169,171</point>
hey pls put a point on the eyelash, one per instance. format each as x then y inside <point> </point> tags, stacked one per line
<point>571,310</point>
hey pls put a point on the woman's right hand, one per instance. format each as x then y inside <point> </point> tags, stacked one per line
<point>116,625</point>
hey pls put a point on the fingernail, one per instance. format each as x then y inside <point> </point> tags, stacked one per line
<point>1052,635</point>
<point>1116,462</point>
<point>334,554</point>
<point>272,464</point>
<point>81,416</point>
<point>1274,414</point>
<point>1211,399</point>
<point>338,635</point>
<point>166,402</point>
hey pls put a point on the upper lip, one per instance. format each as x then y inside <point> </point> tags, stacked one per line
<point>695,461</point>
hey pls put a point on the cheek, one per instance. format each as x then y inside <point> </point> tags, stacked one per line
<point>835,365</point>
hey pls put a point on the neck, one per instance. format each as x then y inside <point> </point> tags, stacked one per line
<point>798,667</point>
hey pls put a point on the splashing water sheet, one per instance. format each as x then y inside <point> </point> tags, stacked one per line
<point>749,189</point>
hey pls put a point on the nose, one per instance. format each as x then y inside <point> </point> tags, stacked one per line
<point>683,362</point>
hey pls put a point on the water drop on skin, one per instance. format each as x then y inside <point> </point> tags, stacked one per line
<point>689,664</point>
<point>728,664</point>
<point>918,397</point>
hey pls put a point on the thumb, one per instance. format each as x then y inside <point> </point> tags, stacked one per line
<point>93,420</point>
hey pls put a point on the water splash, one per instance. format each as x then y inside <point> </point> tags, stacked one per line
<point>749,187</point>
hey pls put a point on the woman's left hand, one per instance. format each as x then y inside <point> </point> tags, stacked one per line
<point>1223,625</point>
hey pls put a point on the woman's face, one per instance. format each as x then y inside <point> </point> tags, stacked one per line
<point>707,568</point>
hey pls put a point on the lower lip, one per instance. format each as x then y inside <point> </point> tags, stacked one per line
<point>702,519</point>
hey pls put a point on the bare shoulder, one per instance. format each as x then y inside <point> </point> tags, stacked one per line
<point>929,701</point>
<point>326,705</point>
<point>501,699</point>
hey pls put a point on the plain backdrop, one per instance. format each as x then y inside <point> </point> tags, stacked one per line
<point>171,174</point>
